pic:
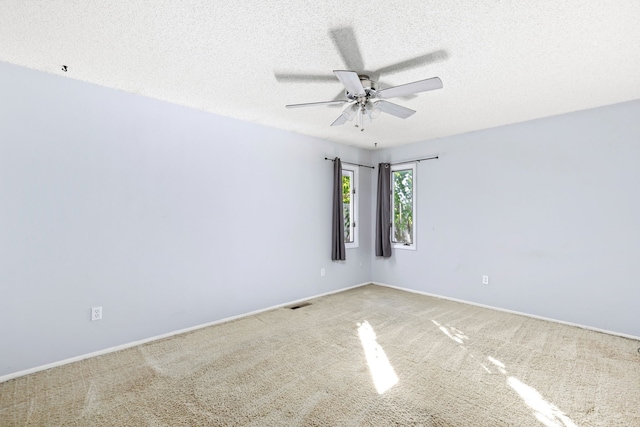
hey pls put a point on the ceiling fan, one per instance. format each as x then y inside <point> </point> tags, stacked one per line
<point>364,99</point>
<point>363,96</point>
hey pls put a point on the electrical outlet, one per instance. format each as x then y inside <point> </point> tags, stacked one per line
<point>322,272</point>
<point>485,280</point>
<point>96,313</point>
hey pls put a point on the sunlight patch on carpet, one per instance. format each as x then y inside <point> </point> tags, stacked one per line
<point>495,361</point>
<point>545,412</point>
<point>383,375</point>
<point>453,333</point>
<point>498,363</point>
<point>485,368</point>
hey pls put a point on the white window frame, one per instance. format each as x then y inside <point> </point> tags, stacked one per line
<point>354,205</point>
<point>397,245</point>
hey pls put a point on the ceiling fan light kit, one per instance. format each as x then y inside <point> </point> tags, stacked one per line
<point>365,100</point>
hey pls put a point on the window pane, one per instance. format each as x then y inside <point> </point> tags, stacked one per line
<point>347,180</point>
<point>403,206</point>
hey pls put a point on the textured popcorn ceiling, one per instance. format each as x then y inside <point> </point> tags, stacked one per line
<point>501,62</point>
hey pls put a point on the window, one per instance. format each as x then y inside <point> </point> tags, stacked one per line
<point>403,202</point>
<point>349,204</point>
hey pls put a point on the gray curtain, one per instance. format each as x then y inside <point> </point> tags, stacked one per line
<point>383,211</point>
<point>338,251</point>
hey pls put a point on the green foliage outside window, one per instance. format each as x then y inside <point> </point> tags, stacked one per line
<point>346,205</point>
<point>403,206</point>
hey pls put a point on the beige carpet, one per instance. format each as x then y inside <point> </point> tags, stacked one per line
<point>371,356</point>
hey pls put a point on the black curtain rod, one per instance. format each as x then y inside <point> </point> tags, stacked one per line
<point>415,160</point>
<point>354,164</point>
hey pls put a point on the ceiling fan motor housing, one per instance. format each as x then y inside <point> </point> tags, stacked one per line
<point>370,88</point>
<point>367,83</point>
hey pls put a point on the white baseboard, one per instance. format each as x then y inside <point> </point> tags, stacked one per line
<point>604,331</point>
<point>159,337</point>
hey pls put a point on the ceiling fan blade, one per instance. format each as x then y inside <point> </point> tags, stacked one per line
<point>437,56</point>
<point>411,88</point>
<point>384,84</point>
<point>313,104</point>
<point>347,114</point>
<point>345,41</point>
<point>342,119</point>
<point>299,77</point>
<point>394,109</point>
<point>351,81</point>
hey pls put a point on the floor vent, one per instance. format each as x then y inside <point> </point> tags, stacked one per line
<point>295,307</point>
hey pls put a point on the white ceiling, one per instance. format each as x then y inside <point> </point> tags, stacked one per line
<point>501,62</point>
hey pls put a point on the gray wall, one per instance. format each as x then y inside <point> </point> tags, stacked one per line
<point>549,209</point>
<point>112,199</point>
<point>165,216</point>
